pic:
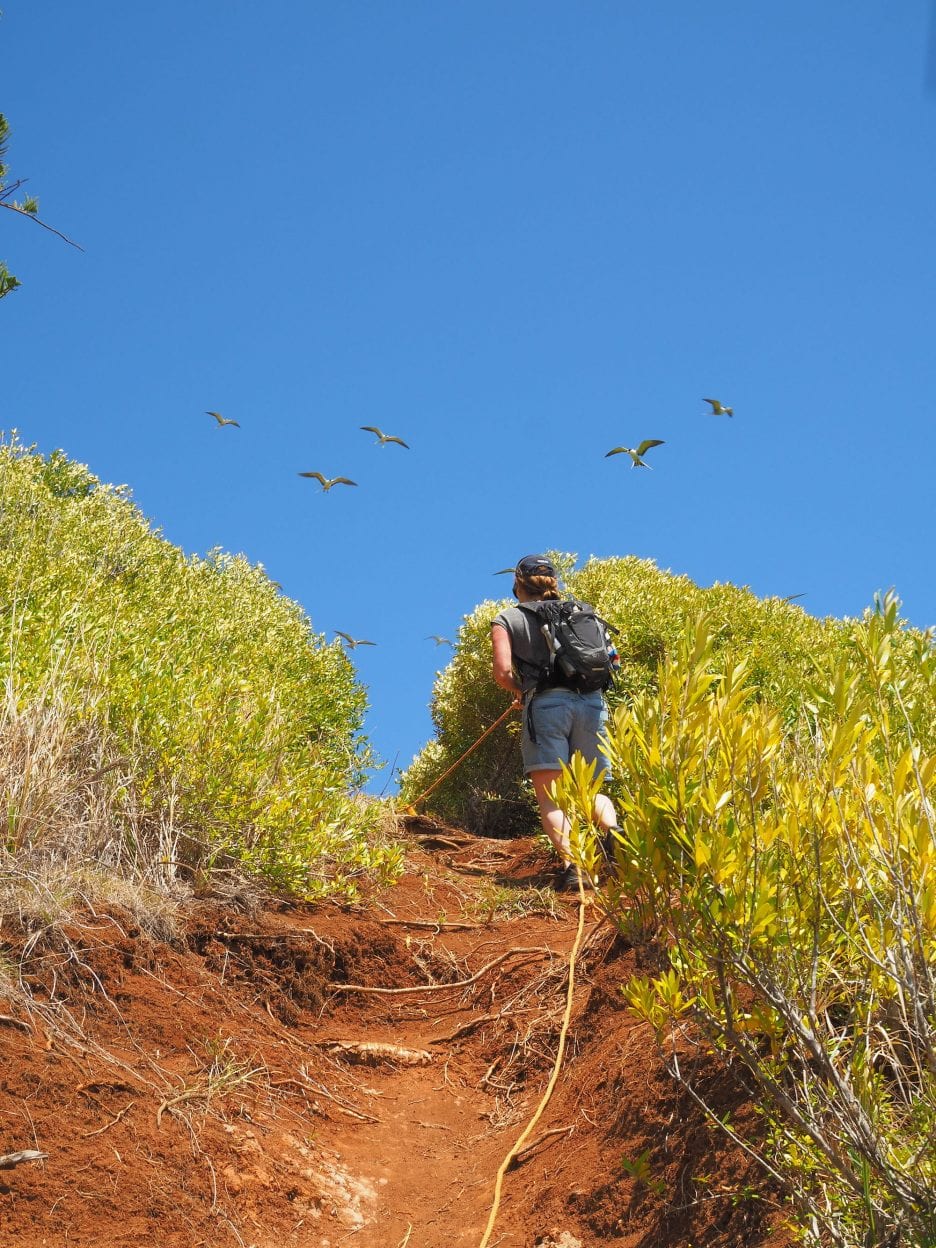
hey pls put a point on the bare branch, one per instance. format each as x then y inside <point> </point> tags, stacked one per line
<point>38,220</point>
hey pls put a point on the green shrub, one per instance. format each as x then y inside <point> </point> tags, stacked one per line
<point>484,790</point>
<point>789,870</point>
<point>650,608</point>
<point>235,724</point>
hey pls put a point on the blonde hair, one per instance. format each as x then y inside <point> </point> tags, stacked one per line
<point>546,587</point>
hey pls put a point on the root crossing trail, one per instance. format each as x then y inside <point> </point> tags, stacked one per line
<point>463,1058</point>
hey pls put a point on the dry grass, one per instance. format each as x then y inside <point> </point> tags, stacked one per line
<point>67,790</point>
<point>77,834</point>
<point>497,901</point>
<point>73,830</point>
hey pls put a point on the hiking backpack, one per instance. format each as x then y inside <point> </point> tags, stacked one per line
<point>581,654</point>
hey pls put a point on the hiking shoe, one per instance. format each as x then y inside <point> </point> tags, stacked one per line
<point>568,877</point>
<point>607,845</point>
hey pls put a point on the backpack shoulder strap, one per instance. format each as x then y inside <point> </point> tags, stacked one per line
<point>587,607</point>
<point>543,672</point>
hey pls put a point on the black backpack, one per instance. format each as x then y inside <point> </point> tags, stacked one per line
<point>577,640</point>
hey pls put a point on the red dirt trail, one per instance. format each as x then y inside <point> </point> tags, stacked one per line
<point>216,1088</point>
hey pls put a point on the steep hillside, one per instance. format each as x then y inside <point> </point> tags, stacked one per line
<point>325,1075</point>
<point>162,710</point>
<point>359,1057</point>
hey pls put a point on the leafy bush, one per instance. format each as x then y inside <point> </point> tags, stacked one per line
<point>650,608</point>
<point>790,873</point>
<point>484,791</point>
<point>234,729</point>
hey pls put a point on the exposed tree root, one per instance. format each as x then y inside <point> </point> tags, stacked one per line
<point>373,1053</point>
<point>464,983</point>
<point>9,1160</point>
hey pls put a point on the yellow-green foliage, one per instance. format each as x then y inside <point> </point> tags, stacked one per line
<point>650,608</point>
<point>242,727</point>
<point>791,870</point>
<point>484,791</point>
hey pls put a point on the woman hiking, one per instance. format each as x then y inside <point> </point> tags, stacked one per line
<point>557,719</point>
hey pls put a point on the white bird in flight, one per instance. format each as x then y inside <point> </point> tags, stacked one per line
<point>328,482</point>
<point>353,642</point>
<point>719,409</point>
<point>384,438</point>
<point>636,453</point>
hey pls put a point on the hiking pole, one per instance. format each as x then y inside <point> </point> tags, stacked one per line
<point>411,809</point>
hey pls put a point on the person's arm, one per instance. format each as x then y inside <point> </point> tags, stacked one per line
<point>502,660</point>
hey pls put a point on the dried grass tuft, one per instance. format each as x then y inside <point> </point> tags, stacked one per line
<point>73,833</point>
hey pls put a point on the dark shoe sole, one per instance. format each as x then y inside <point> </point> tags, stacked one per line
<point>567,881</point>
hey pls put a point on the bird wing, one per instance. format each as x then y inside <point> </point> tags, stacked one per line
<point>217,415</point>
<point>367,643</point>
<point>317,475</point>
<point>372,429</point>
<point>342,481</point>
<point>619,450</point>
<point>716,406</point>
<point>505,572</point>
<point>345,637</point>
<point>647,443</point>
<point>399,441</point>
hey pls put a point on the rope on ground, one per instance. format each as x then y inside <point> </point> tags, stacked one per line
<point>560,1053</point>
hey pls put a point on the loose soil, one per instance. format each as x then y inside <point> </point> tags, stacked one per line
<point>235,1084</point>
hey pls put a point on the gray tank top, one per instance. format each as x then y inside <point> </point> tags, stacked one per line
<point>527,644</point>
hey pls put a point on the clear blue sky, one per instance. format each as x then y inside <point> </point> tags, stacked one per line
<point>514,234</point>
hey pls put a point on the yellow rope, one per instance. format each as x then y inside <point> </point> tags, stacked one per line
<point>505,1164</point>
<point>411,809</point>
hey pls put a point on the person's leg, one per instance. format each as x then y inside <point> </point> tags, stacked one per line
<point>553,714</point>
<point>588,727</point>
<point>542,758</point>
<point>605,813</point>
<point>554,822</point>
<point>556,826</point>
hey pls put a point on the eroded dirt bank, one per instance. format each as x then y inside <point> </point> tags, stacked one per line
<point>247,1084</point>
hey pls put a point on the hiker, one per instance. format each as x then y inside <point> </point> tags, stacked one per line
<point>557,720</point>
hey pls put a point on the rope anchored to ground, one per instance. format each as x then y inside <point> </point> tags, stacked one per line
<point>519,1146</point>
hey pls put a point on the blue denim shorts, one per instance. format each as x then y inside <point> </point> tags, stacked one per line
<point>564,721</point>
